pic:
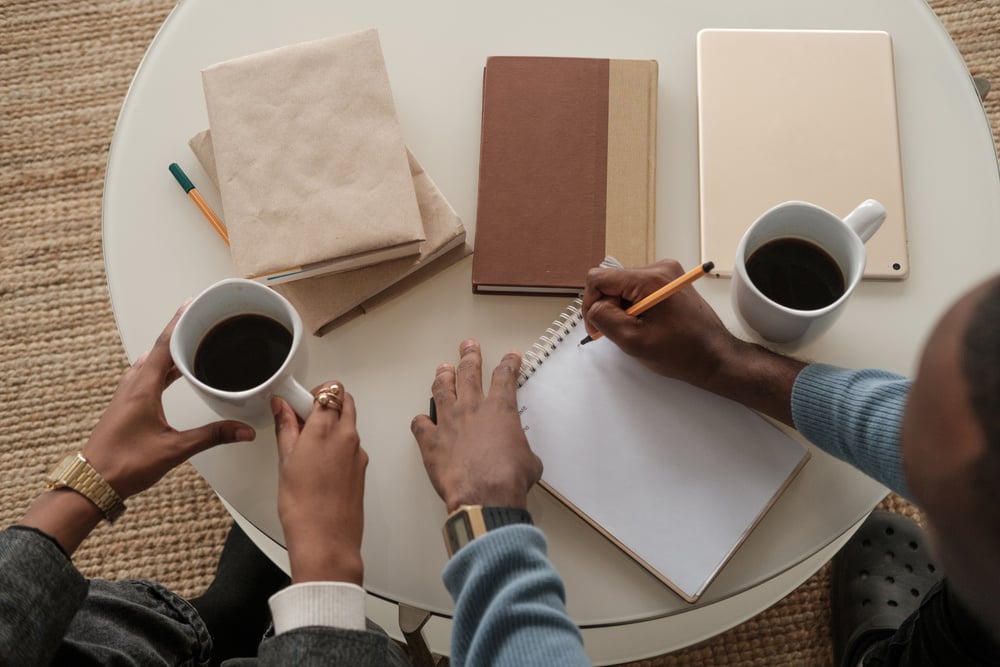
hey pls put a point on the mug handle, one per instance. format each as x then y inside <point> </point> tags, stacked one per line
<point>296,395</point>
<point>866,218</point>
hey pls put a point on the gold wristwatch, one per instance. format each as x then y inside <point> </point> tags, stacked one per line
<point>471,521</point>
<point>75,472</point>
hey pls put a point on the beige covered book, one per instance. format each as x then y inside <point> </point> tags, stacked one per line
<point>312,169</point>
<point>327,301</point>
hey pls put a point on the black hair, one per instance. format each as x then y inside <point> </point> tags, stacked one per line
<point>981,367</point>
<point>981,363</point>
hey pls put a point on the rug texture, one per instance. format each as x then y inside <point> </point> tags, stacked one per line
<point>65,68</point>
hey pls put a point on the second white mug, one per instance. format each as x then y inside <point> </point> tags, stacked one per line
<point>790,295</point>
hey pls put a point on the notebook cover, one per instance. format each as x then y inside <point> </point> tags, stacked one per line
<point>566,171</point>
<point>798,115</point>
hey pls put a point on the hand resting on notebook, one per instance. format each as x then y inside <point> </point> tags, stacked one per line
<point>477,453</point>
<point>684,338</point>
<point>510,603</point>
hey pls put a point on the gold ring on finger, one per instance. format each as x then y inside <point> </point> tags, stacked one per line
<point>329,397</point>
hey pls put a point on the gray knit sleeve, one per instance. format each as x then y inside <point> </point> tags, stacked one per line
<point>856,416</point>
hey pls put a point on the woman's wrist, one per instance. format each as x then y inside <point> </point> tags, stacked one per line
<point>326,565</point>
<point>316,555</point>
<point>65,516</point>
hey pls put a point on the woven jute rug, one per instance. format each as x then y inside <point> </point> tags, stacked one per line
<point>64,71</point>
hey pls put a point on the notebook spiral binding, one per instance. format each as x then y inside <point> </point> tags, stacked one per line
<point>532,359</point>
<point>561,327</point>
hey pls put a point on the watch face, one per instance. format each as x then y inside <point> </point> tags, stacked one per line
<point>459,531</point>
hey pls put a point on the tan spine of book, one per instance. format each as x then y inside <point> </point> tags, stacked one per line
<point>630,211</point>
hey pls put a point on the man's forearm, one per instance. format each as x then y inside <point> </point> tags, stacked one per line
<point>756,377</point>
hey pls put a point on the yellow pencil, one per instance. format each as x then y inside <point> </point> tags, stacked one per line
<point>202,205</point>
<point>659,295</point>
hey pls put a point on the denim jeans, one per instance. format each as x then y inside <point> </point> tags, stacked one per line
<point>50,614</point>
<point>135,622</point>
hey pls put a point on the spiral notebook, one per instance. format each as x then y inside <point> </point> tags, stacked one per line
<point>675,476</point>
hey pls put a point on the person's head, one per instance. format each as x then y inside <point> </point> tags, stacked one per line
<point>951,446</point>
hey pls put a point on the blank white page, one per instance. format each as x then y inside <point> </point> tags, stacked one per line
<point>675,476</point>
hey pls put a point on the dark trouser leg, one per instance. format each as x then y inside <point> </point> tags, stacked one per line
<point>235,605</point>
<point>940,632</point>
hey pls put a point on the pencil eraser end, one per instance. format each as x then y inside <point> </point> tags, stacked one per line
<point>181,177</point>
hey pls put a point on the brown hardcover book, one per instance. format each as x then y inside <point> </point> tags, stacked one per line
<point>566,171</point>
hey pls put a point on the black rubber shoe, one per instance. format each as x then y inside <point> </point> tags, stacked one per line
<point>878,579</point>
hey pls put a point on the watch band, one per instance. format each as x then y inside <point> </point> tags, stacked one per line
<point>75,472</point>
<point>494,517</point>
<point>471,521</point>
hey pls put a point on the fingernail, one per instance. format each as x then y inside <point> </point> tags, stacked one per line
<point>512,351</point>
<point>245,434</point>
<point>275,406</point>
<point>468,345</point>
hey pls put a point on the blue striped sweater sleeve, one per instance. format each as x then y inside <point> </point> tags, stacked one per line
<point>854,415</point>
<point>510,604</point>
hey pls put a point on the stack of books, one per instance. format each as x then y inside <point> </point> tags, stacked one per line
<point>320,197</point>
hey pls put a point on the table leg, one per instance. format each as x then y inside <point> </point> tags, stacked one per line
<point>411,623</point>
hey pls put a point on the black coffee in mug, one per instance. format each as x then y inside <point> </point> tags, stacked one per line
<point>796,274</point>
<point>242,352</point>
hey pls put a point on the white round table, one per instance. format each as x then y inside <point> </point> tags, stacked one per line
<point>158,251</point>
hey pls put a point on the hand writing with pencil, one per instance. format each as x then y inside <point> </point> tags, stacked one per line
<point>683,338</point>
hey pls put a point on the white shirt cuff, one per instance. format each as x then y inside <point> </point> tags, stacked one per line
<point>335,604</point>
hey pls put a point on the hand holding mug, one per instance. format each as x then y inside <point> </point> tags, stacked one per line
<point>321,487</point>
<point>133,446</point>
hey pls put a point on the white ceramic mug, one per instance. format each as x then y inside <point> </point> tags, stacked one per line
<point>843,240</point>
<point>222,301</point>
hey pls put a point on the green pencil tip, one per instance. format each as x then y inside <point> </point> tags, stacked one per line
<point>181,177</point>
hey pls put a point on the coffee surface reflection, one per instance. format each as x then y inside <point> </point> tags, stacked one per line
<point>242,352</point>
<point>796,273</point>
